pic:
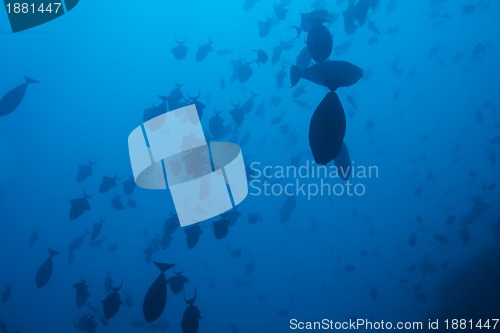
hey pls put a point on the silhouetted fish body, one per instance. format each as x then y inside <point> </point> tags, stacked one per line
<point>79,206</point>
<point>177,282</point>
<point>82,293</point>
<point>45,270</point>
<point>11,100</point>
<point>203,51</point>
<point>191,317</point>
<point>343,162</point>
<point>308,20</point>
<point>221,228</point>
<point>332,74</point>
<point>6,293</point>
<point>180,50</point>
<point>107,184</point>
<point>193,233</point>
<point>319,42</point>
<point>117,203</point>
<point>304,59</point>
<point>287,209</point>
<point>156,296</point>
<point>84,171</point>
<point>96,230</point>
<point>111,305</point>
<point>327,129</point>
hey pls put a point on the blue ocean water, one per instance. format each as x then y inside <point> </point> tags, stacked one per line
<point>420,242</point>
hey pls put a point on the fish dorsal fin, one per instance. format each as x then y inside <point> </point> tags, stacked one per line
<point>163,266</point>
<point>30,80</point>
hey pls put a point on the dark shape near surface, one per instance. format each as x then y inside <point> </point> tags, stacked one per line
<point>343,162</point>
<point>84,171</point>
<point>129,186</point>
<point>11,100</point>
<point>327,129</point>
<point>45,270</point>
<point>177,282</point>
<point>112,303</point>
<point>193,233</point>
<point>319,42</point>
<point>79,206</point>
<point>180,50</point>
<point>82,292</point>
<point>204,50</point>
<point>332,74</point>
<point>191,317</point>
<point>221,228</point>
<point>156,296</point>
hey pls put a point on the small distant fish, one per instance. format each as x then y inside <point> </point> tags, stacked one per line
<point>180,50</point>
<point>34,237</point>
<point>6,293</point>
<point>412,241</point>
<point>45,270</point>
<point>13,98</point>
<point>349,268</point>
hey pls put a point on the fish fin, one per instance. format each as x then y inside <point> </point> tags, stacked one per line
<point>163,98</point>
<point>294,75</point>
<point>53,253</point>
<point>163,266</point>
<point>30,80</point>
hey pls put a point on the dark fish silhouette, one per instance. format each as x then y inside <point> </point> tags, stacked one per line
<point>177,282</point>
<point>84,171</point>
<point>412,241</point>
<point>319,42</point>
<point>331,74</point>
<point>79,206</point>
<point>45,270</point>
<point>171,224</point>
<point>34,237</point>
<point>193,233</point>
<point>191,317</point>
<point>108,282</point>
<point>221,228</point>
<point>11,100</point>
<point>77,242</point>
<point>204,50</point>
<point>308,20</point>
<point>287,208</point>
<point>129,186</point>
<point>248,4</point>
<point>280,12</point>
<point>327,129</point>
<point>117,203</point>
<point>96,229</point>
<point>107,184</point>
<point>82,292</point>
<point>266,26</point>
<point>254,218</point>
<point>261,57</point>
<point>241,71</point>
<point>180,50</point>
<point>175,96</point>
<point>199,105</point>
<point>112,303</point>
<point>247,107</point>
<point>154,112</point>
<point>343,162</point>
<point>217,128</point>
<point>156,296</point>
<point>304,59</point>
<point>237,114</point>
<point>6,293</point>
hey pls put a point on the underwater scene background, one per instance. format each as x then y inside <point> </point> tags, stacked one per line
<point>420,240</point>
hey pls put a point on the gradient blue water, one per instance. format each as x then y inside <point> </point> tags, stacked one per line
<point>103,63</point>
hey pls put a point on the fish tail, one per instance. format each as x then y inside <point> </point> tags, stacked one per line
<point>294,75</point>
<point>53,253</point>
<point>30,80</point>
<point>163,266</point>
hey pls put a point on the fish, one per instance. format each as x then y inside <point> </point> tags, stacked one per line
<point>79,206</point>
<point>6,293</point>
<point>129,186</point>
<point>34,237</point>
<point>180,50</point>
<point>193,233</point>
<point>319,42</point>
<point>155,111</point>
<point>254,218</point>
<point>84,171</point>
<point>249,4</point>
<point>81,292</point>
<point>13,98</point>
<point>175,96</point>
<point>327,129</point>
<point>177,282</point>
<point>237,114</point>
<point>280,11</point>
<point>343,162</point>
<point>266,26</point>
<point>44,272</point>
<point>349,268</point>
<point>191,317</point>
<point>412,241</point>
<point>111,304</point>
<point>171,224</point>
<point>96,229</point>
<point>204,50</point>
<point>107,184</point>
<point>280,77</point>
<point>304,59</point>
<point>332,74</point>
<point>117,203</point>
<point>287,209</point>
<point>261,57</point>
<point>77,242</point>
<point>155,299</point>
<point>221,228</point>
<point>241,71</point>
<point>309,20</point>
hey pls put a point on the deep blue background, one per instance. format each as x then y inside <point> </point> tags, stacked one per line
<point>104,62</point>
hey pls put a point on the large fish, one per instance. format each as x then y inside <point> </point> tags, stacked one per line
<point>156,296</point>
<point>79,206</point>
<point>193,233</point>
<point>191,317</point>
<point>319,42</point>
<point>327,129</point>
<point>177,282</point>
<point>332,74</point>
<point>112,303</point>
<point>45,270</point>
<point>11,100</point>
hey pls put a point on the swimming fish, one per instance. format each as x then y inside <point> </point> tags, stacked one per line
<point>81,292</point>
<point>107,184</point>
<point>34,237</point>
<point>332,74</point>
<point>327,129</point>
<point>156,296</point>
<point>191,317</point>
<point>45,270</point>
<point>193,233</point>
<point>319,42</point>
<point>6,293</point>
<point>112,302</point>
<point>79,206</point>
<point>11,100</point>
<point>180,50</point>
<point>203,50</point>
<point>177,282</point>
<point>84,171</point>
<point>221,228</point>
